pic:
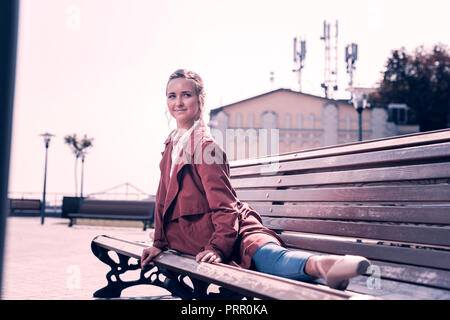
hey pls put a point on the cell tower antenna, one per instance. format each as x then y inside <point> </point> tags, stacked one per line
<point>351,55</point>
<point>331,59</point>
<point>299,59</point>
<point>272,78</point>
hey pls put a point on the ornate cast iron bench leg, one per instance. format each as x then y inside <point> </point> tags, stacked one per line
<point>173,282</point>
<point>115,284</point>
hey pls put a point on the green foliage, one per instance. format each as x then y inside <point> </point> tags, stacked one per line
<point>422,81</point>
<point>78,146</point>
<point>79,149</point>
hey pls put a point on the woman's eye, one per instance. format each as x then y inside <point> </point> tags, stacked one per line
<point>187,94</point>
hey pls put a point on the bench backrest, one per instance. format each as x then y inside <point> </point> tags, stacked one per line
<point>352,198</point>
<point>72,205</point>
<point>118,207</point>
<point>25,204</point>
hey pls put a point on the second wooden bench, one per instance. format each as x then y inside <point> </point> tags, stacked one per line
<point>139,210</point>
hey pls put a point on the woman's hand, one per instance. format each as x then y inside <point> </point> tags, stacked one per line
<point>148,254</point>
<point>209,256</point>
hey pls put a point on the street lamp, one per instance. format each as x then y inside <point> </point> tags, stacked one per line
<point>360,97</point>
<point>83,155</point>
<point>47,137</point>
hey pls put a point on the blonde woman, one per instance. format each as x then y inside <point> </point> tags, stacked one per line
<point>197,211</point>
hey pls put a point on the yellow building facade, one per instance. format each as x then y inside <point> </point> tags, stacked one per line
<point>283,121</point>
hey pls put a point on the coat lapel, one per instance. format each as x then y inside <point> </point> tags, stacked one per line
<point>171,181</point>
<point>185,157</point>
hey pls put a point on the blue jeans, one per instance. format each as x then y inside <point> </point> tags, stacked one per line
<point>273,259</point>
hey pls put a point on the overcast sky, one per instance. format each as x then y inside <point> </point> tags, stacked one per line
<point>100,67</point>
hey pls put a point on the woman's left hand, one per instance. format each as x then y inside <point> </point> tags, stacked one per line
<point>208,256</point>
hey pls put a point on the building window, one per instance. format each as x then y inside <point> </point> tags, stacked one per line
<point>398,113</point>
<point>288,121</point>
<point>251,120</point>
<point>269,120</point>
<point>238,120</point>
<point>299,121</point>
<point>312,120</point>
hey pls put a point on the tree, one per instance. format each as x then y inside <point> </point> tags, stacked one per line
<point>421,81</point>
<point>79,149</point>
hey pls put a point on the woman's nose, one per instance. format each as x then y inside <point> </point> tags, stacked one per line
<point>178,101</point>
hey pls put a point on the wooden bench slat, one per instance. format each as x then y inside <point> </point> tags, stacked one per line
<point>413,274</point>
<point>249,282</point>
<point>382,194</point>
<point>24,207</point>
<point>112,210</point>
<point>116,205</point>
<point>343,245</point>
<point>390,143</point>
<point>108,216</point>
<point>141,210</point>
<point>397,290</point>
<point>117,202</point>
<point>419,275</point>
<point>25,204</point>
<point>128,248</point>
<point>406,214</point>
<point>412,234</point>
<point>401,173</point>
<point>378,158</point>
<point>237,279</point>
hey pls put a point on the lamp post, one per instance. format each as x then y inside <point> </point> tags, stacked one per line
<point>82,174</point>
<point>359,99</point>
<point>47,137</point>
<point>359,105</point>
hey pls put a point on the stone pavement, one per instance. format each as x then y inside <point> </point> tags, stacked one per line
<point>55,262</point>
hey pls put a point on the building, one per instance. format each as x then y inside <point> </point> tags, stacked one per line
<point>284,120</point>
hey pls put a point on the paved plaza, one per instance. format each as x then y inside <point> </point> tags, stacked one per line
<point>53,261</point>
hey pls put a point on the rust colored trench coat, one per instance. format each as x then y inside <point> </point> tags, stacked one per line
<point>197,208</point>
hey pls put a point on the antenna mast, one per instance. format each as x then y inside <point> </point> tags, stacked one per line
<point>331,59</point>
<point>272,78</point>
<point>299,58</point>
<point>351,55</point>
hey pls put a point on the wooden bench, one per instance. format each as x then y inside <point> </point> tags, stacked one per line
<point>183,277</point>
<point>24,207</point>
<point>386,199</point>
<point>139,210</point>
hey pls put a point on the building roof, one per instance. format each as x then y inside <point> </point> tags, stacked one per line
<point>217,110</point>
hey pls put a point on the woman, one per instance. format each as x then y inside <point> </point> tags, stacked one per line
<point>197,211</point>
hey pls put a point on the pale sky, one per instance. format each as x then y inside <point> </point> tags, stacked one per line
<point>100,67</point>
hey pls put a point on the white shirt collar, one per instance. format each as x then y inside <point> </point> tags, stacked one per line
<point>176,138</point>
<point>179,142</point>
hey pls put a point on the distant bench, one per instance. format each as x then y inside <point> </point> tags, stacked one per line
<point>24,207</point>
<point>139,210</point>
<point>386,199</point>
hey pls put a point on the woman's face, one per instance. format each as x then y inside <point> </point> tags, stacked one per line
<point>183,102</point>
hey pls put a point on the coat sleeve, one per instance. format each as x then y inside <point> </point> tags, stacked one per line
<point>159,240</point>
<point>214,173</point>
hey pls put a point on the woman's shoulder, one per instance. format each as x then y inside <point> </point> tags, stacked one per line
<point>170,136</point>
<point>203,137</point>
<point>206,146</point>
